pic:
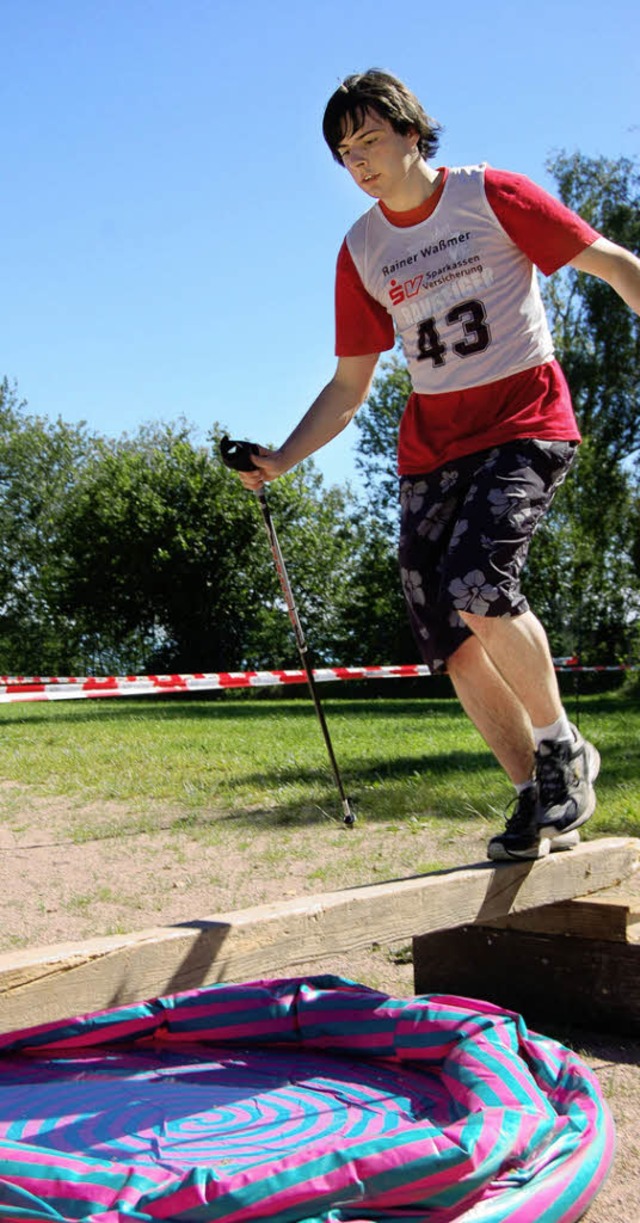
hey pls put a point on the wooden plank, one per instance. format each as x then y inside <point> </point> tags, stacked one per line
<point>609,918</point>
<point>551,981</point>
<point>53,983</point>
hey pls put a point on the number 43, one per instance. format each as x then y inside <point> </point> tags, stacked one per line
<point>477,336</point>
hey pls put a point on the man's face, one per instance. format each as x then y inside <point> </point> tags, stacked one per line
<point>377,157</point>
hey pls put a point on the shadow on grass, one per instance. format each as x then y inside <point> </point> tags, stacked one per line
<point>184,710</point>
<point>367,803</point>
<point>257,705</point>
<point>365,787</point>
<point>419,765</point>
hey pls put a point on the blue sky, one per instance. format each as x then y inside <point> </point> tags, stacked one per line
<point>170,216</point>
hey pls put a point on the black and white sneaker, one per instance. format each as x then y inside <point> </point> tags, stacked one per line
<point>565,773</point>
<point>522,837</point>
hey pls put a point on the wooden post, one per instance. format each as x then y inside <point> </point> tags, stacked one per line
<point>574,963</point>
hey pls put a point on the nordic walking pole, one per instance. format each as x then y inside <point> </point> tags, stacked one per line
<point>237,455</point>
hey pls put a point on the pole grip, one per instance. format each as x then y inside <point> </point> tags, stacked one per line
<point>237,455</point>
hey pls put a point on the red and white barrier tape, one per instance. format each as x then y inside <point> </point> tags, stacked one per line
<point>36,688</point>
<point>56,688</point>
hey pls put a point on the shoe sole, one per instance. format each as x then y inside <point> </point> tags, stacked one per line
<point>499,853</point>
<point>563,840</point>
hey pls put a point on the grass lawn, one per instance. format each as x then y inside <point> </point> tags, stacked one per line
<point>255,758</point>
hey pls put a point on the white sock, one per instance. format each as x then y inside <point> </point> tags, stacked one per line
<point>524,785</point>
<point>561,729</point>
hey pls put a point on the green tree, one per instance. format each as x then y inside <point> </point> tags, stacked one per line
<point>153,548</point>
<point>39,463</point>
<point>374,623</point>
<point>597,336</point>
<point>320,539</point>
<point>145,554</point>
<point>377,422</point>
<point>373,626</point>
<point>166,565</point>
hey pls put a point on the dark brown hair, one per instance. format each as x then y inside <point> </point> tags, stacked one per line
<point>388,97</point>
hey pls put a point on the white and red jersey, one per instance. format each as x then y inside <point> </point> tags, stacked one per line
<point>456,282</point>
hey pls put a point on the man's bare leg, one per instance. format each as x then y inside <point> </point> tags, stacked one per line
<point>505,724</point>
<point>505,679</point>
<point>495,710</point>
<point>519,649</point>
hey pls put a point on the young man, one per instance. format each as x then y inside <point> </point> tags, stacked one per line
<point>445,259</point>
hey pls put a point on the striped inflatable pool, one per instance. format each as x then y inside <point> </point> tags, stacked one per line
<point>311,1100</point>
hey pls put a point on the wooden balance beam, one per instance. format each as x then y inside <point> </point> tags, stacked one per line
<point>51,983</point>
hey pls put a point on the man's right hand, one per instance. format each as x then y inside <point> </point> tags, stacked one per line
<point>268,465</point>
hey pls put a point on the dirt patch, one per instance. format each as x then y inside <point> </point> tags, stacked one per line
<point>72,870</point>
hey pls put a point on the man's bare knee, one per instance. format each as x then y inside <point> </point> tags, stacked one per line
<point>465,657</point>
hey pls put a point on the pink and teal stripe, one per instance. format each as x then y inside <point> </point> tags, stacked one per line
<point>310,1100</point>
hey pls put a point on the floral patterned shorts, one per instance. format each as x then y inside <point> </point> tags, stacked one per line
<point>465,530</point>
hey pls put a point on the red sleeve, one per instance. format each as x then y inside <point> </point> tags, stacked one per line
<point>362,324</point>
<point>548,232</point>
